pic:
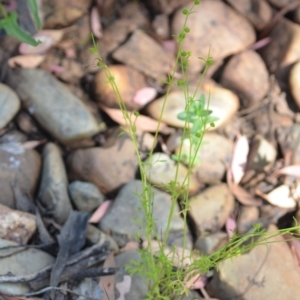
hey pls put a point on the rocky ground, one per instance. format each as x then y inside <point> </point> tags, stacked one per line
<point>68,178</point>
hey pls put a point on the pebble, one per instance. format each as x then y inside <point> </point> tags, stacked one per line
<point>162,171</point>
<point>95,236</point>
<point>54,107</point>
<point>266,272</point>
<point>294,80</point>
<point>20,263</point>
<point>53,190</point>
<point>59,14</point>
<point>211,208</point>
<point>19,167</point>
<point>280,3</point>
<point>258,13</point>
<point>282,51</point>
<point>119,220</point>
<point>223,33</point>
<point>211,243</point>
<point>238,77</point>
<point>107,168</point>
<point>16,226</point>
<point>9,103</point>
<point>223,103</point>
<point>85,196</point>
<point>138,287</point>
<point>127,79</point>
<point>248,216</point>
<point>146,55</point>
<point>214,156</point>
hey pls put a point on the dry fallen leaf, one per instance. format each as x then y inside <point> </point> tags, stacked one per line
<point>100,212</point>
<point>142,122</point>
<point>48,38</point>
<point>290,171</point>
<point>124,287</point>
<point>295,248</point>
<point>240,193</point>
<point>239,158</point>
<point>230,227</point>
<point>31,61</point>
<point>132,245</point>
<point>280,197</point>
<point>107,283</point>
<point>33,144</point>
<point>96,23</point>
<point>144,96</point>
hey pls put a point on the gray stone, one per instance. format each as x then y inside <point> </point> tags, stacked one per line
<point>20,263</point>
<point>85,196</point>
<point>19,167</point>
<point>95,236</point>
<point>138,289</point>
<point>53,192</point>
<point>120,219</point>
<point>9,104</point>
<point>210,243</point>
<point>55,108</point>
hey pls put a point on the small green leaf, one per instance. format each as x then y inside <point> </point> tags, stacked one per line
<point>12,28</point>
<point>182,116</point>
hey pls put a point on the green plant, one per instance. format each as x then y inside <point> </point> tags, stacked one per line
<point>9,23</point>
<point>165,269</point>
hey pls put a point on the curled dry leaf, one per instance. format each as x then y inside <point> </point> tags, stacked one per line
<point>142,123</point>
<point>33,144</point>
<point>240,193</point>
<point>195,282</point>
<point>230,226</point>
<point>132,245</point>
<point>280,197</point>
<point>48,39</point>
<point>144,96</point>
<point>124,287</point>
<point>290,171</point>
<point>96,23</point>
<point>100,212</point>
<point>31,61</point>
<point>239,158</point>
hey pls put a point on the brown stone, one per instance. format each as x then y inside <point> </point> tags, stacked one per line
<point>267,272</point>
<point>60,14</point>
<point>257,12</point>
<point>145,55</point>
<point>284,48</point>
<point>127,79</point>
<point>211,208</point>
<point>107,168</point>
<point>238,77</point>
<point>220,34</point>
<point>16,226</point>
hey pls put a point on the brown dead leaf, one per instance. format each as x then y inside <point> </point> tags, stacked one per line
<point>107,283</point>
<point>100,212</point>
<point>48,38</point>
<point>96,23</point>
<point>290,171</point>
<point>240,193</point>
<point>239,158</point>
<point>33,144</point>
<point>31,61</point>
<point>143,123</point>
<point>280,197</point>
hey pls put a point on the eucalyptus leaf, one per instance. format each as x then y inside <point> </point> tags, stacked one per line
<point>12,28</point>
